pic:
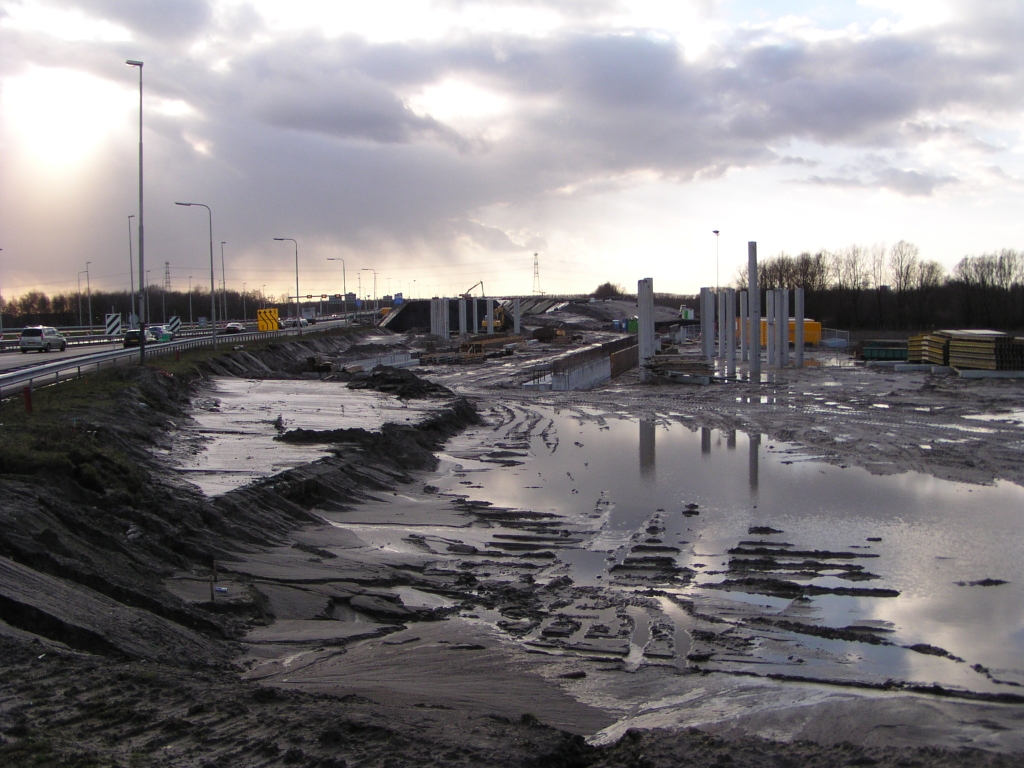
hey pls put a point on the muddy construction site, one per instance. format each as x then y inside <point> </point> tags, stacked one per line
<point>277,555</point>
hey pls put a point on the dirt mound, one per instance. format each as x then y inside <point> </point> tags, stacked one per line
<point>404,384</point>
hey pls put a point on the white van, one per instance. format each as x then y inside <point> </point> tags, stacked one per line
<point>42,338</point>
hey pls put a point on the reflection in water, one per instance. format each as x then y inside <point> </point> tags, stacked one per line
<point>888,562</point>
<point>755,443</point>
<point>647,449</point>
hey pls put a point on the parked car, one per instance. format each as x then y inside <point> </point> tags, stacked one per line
<point>42,338</point>
<point>234,328</point>
<point>161,333</point>
<point>134,338</point>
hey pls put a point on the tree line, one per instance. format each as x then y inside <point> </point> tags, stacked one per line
<point>879,288</point>
<point>72,308</point>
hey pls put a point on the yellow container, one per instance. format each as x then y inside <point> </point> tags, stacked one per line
<point>812,332</point>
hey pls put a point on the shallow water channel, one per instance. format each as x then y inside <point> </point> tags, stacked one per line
<point>732,552</point>
<point>237,420</point>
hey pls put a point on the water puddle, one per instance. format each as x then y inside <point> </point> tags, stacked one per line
<point>731,552</point>
<point>236,422</point>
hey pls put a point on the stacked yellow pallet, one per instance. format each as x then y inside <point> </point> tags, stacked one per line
<point>985,350</point>
<point>935,348</point>
<point>915,349</point>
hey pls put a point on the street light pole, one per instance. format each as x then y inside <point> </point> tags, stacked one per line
<point>190,300</point>
<point>131,271</point>
<point>344,288</point>
<point>223,285</point>
<point>371,269</point>
<point>142,239</point>
<point>80,298</point>
<point>298,308</point>
<point>88,291</point>
<point>243,303</point>
<point>213,278</point>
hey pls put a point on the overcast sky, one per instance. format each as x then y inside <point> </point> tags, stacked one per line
<point>447,141</point>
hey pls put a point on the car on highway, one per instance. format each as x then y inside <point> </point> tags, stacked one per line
<point>234,328</point>
<point>291,322</point>
<point>134,338</point>
<point>161,332</point>
<point>42,338</point>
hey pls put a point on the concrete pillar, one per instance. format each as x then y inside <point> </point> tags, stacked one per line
<point>446,319</point>
<point>770,302</point>
<point>730,331</point>
<point>707,325</point>
<point>516,316</point>
<point>782,318</point>
<point>744,328</point>
<point>433,317</point>
<point>645,324</point>
<point>754,301</point>
<point>476,316</point>
<point>798,337</point>
<point>462,317</point>
<point>752,462</point>
<point>647,447</point>
<point>720,298</point>
<point>490,316</point>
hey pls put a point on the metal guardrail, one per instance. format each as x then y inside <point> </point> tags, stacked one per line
<point>74,367</point>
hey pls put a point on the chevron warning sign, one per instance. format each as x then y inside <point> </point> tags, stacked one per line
<point>266,320</point>
<point>113,324</point>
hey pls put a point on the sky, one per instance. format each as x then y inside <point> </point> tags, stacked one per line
<point>445,142</point>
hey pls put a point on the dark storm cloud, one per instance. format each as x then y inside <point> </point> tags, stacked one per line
<point>316,134</point>
<point>174,19</point>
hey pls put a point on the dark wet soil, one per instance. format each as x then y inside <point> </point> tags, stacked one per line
<point>102,664</point>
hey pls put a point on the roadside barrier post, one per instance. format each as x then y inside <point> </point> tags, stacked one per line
<point>26,393</point>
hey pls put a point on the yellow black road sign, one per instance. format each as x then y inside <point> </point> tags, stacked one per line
<point>266,320</point>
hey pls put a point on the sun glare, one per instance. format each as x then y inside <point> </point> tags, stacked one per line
<point>59,117</point>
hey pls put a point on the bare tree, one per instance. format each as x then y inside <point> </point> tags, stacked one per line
<point>903,265</point>
<point>929,278</point>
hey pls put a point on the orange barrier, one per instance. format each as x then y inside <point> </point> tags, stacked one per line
<point>812,331</point>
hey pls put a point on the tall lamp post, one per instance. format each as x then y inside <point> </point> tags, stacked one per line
<point>142,239</point>
<point>298,309</point>
<point>80,298</point>
<point>1,313</point>
<point>371,269</point>
<point>715,233</point>
<point>131,271</point>
<point>243,303</point>
<point>190,300</point>
<point>344,288</point>
<point>88,292</point>
<point>213,279</point>
<point>223,284</point>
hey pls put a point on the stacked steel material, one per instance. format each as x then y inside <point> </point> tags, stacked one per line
<point>915,349</point>
<point>985,350</point>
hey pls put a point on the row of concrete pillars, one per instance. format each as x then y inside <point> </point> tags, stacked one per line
<point>776,328</point>
<point>747,326</point>
<point>439,317</point>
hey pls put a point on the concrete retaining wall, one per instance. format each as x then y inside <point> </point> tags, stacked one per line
<point>587,367</point>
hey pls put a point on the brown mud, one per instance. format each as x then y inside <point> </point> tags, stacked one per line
<point>143,623</point>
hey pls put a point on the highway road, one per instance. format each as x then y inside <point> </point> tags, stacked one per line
<point>12,361</point>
